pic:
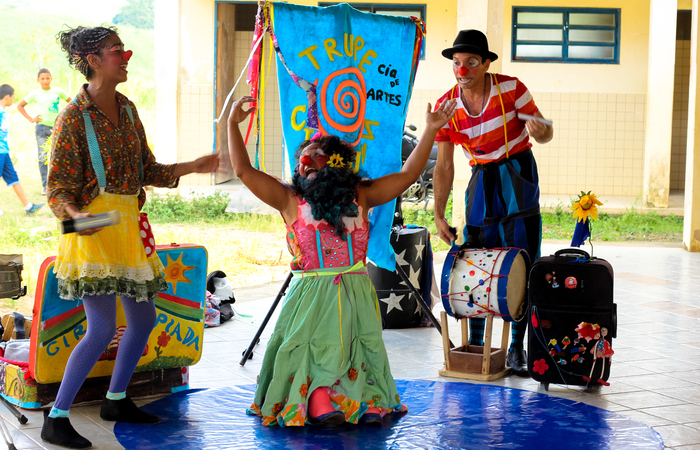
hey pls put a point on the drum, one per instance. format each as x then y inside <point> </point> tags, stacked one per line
<point>479,282</point>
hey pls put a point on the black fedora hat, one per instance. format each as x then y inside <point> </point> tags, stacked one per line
<point>471,41</point>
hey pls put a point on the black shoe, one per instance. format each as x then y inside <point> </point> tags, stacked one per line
<point>517,361</point>
<point>371,419</point>
<point>59,431</point>
<point>125,410</point>
<point>331,418</point>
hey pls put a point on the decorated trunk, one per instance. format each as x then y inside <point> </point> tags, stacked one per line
<point>58,325</point>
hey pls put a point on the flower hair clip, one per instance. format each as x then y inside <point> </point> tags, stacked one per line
<point>336,161</point>
<point>316,136</point>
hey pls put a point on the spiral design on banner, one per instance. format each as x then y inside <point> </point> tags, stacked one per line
<point>349,100</point>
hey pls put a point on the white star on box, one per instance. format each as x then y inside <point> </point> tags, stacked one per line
<point>419,249</point>
<point>413,277</point>
<point>393,301</point>
<point>418,308</point>
<point>400,258</point>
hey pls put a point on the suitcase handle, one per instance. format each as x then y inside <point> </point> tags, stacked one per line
<point>572,252</point>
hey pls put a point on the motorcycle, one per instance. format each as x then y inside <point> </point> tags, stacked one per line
<point>422,189</point>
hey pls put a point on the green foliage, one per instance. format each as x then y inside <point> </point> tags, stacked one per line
<point>205,209</point>
<point>31,45</point>
<point>630,226</point>
<point>414,214</point>
<point>174,208</point>
<point>136,13</point>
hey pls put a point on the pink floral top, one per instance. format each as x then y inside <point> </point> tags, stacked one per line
<point>315,244</point>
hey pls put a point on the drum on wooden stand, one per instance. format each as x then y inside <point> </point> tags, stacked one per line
<point>479,282</point>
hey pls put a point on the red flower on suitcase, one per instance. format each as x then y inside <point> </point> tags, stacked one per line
<point>588,331</point>
<point>540,366</point>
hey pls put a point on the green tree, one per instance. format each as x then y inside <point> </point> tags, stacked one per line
<point>136,13</point>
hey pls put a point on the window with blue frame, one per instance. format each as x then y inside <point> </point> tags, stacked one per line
<point>566,35</point>
<point>390,9</point>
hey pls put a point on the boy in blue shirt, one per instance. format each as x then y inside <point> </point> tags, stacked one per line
<point>46,100</point>
<point>7,169</point>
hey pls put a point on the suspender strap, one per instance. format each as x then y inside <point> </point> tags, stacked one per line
<point>95,155</point>
<point>318,246</point>
<point>503,110</point>
<point>352,260</point>
<point>133,124</point>
<point>94,147</point>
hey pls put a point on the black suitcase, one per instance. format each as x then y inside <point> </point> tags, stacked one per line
<point>397,304</point>
<point>571,314</point>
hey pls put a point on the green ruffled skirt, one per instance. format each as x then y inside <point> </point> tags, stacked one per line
<point>329,334</point>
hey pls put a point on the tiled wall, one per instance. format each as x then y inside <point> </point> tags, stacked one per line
<point>680,115</point>
<point>195,130</point>
<point>598,141</point>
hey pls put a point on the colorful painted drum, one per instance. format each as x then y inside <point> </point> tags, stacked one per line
<point>479,282</point>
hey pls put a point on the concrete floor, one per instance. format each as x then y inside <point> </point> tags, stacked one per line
<point>655,371</point>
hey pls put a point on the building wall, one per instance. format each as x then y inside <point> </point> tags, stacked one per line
<point>196,73</point>
<point>598,110</point>
<point>197,78</point>
<point>681,89</point>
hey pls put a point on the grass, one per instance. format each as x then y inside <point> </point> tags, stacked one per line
<point>630,226</point>
<point>29,43</point>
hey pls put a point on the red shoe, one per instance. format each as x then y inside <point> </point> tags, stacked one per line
<point>586,379</point>
<point>603,382</point>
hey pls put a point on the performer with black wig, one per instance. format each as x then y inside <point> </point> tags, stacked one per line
<point>100,161</point>
<point>325,362</point>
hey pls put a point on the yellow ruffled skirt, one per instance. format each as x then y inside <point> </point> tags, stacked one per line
<point>111,261</point>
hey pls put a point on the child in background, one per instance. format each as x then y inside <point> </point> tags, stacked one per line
<point>7,98</point>
<point>46,100</point>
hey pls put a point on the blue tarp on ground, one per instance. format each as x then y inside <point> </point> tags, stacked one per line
<point>440,416</point>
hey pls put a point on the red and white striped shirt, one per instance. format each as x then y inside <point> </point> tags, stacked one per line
<point>484,133</point>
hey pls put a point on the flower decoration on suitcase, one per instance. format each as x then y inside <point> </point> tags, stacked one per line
<point>585,208</point>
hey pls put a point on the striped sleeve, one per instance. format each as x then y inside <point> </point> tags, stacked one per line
<point>524,102</point>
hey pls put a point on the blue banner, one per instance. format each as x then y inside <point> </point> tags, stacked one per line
<point>348,73</point>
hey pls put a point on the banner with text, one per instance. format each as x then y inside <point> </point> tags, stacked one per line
<point>348,73</point>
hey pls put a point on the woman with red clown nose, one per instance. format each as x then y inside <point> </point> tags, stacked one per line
<point>502,199</point>
<point>325,362</point>
<point>100,161</point>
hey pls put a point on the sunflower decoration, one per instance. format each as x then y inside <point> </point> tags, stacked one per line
<point>336,161</point>
<point>585,206</point>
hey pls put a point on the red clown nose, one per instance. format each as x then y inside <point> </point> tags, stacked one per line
<point>305,160</point>
<point>463,71</point>
<point>126,56</point>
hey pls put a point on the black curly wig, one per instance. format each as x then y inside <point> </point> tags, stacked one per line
<point>332,192</point>
<point>80,42</point>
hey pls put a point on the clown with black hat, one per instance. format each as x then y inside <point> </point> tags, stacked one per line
<point>502,198</point>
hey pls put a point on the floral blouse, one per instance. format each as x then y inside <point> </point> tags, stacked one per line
<point>72,179</point>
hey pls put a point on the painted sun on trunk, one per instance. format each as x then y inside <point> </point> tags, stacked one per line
<point>175,272</point>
